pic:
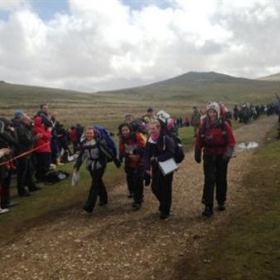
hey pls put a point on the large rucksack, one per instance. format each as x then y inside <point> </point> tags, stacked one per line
<point>106,137</point>
<point>171,130</point>
<point>139,126</point>
<point>179,154</point>
<point>221,124</point>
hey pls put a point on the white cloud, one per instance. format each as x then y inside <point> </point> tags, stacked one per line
<point>11,5</point>
<point>107,44</point>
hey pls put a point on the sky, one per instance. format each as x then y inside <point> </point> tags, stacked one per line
<point>98,45</point>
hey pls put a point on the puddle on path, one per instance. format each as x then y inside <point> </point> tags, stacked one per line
<point>247,146</point>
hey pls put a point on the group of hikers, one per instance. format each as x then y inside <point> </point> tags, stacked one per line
<point>148,147</point>
<point>151,151</point>
<point>29,148</point>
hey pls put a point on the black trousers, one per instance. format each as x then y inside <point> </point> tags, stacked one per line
<point>5,177</point>
<point>25,172</point>
<point>215,175</point>
<point>42,163</point>
<point>135,184</point>
<point>162,189</point>
<point>97,188</point>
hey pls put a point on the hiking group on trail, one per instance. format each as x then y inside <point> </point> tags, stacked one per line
<point>149,148</point>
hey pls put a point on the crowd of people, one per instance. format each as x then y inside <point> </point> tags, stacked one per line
<point>29,147</point>
<point>146,147</point>
<point>146,144</point>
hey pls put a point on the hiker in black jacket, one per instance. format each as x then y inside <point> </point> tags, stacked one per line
<point>26,141</point>
<point>159,148</point>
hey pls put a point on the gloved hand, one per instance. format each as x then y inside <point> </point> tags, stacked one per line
<point>147,180</point>
<point>226,158</point>
<point>228,154</point>
<point>197,155</point>
<point>117,163</point>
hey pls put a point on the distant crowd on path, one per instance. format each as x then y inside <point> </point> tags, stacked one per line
<point>149,148</point>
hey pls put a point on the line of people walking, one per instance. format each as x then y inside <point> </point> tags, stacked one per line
<point>143,146</point>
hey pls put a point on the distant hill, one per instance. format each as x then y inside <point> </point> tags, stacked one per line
<point>29,98</point>
<point>176,95</point>
<point>203,86</point>
<point>15,94</point>
<point>274,77</point>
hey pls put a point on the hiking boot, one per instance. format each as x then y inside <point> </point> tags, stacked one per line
<point>136,206</point>
<point>103,203</point>
<point>163,215</point>
<point>221,206</point>
<point>208,212</point>
<point>88,208</point>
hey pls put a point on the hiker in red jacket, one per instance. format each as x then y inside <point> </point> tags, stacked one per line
<point>131,148</point>
<point>215,137</point>
<point>42,145</point>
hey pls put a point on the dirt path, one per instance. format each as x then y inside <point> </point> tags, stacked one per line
<point>118,243</point>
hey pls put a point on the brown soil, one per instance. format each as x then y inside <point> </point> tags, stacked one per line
<point>116,242</point>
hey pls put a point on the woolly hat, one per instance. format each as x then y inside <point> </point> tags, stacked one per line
<point>214,106</point>
<point>19,114</point>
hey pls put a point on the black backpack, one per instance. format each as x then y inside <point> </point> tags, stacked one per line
<point>179,154</point>
<point>55,176</point>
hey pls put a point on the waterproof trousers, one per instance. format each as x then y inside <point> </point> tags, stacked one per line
<point>97,189</point>
<point>162,189</point>
<point>215,175</point>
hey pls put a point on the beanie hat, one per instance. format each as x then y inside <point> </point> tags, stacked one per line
<point>214,106</point>
<point>19,114</point>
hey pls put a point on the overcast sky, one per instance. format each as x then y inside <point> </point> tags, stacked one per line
<point>95,45</point>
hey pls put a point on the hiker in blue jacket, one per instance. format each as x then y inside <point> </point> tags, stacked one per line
<point>96,154</point>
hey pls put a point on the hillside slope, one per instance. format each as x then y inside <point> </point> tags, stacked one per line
<point>275,77</point>
<point>205,86</point>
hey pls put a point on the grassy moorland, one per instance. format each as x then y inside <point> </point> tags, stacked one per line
<point>177,96</point>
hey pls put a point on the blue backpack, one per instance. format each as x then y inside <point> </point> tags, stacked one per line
<point>105,136</point>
